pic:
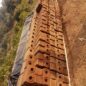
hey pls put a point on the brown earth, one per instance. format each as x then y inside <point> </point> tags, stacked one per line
<point>74,26</point>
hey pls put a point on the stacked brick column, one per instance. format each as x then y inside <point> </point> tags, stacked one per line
<point>44,62</point>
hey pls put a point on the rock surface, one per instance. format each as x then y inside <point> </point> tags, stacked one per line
<point>74,26</point>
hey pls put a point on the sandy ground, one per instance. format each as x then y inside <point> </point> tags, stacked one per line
<point>74,26</point>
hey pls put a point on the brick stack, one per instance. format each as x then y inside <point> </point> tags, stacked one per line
<point>44,62</point>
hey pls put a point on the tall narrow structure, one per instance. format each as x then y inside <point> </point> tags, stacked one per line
<point>44,62</point>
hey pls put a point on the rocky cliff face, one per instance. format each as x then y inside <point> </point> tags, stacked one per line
<point>74,26</point>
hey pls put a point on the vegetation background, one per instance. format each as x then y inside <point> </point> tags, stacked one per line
<point>12,16</point>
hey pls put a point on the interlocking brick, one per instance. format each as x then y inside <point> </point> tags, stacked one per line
<point>44,61</point>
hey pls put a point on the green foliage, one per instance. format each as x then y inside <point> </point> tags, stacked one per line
<point>11,39</point>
